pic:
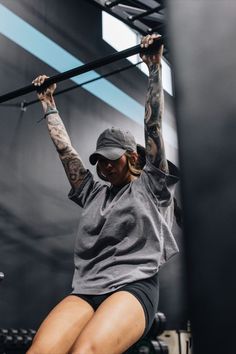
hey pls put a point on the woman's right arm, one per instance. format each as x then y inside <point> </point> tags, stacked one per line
<point>71,160</point>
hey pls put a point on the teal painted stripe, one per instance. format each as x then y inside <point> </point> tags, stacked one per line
<point>19,31</point>
<point>26,36</point>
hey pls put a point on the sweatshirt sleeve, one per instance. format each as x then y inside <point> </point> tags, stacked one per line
<point>161,184</point>
<point>86,191</point>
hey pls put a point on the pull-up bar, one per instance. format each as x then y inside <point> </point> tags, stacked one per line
<point>84,68</point>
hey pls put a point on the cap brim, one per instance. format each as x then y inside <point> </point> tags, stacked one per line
<point>109,153</point>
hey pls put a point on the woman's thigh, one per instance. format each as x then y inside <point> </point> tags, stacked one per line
<point>62,326</point>
<point>117,324</point>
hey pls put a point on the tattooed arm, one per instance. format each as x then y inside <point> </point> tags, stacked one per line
<point>71,161</point>
<point>154,107</point>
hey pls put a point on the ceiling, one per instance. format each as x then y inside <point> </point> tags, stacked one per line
<point>144,16</point>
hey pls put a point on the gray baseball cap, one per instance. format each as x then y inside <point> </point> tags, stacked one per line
<point>112,144</point>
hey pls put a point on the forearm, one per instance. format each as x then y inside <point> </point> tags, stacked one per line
<point>56,128</point>
<point>154,99</point>
<point>71,160</point>
<point>153,118</point>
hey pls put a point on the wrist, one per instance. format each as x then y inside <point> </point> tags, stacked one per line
<point>47,99</point>
<point>48,104</point>
<point>49,111</point>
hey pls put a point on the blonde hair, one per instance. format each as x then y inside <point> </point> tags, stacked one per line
<point>135,169</point>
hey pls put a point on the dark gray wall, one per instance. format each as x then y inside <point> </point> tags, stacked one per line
<point>38,223</point>
<point>205,83</point>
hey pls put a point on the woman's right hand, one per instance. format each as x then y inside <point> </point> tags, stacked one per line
<point>47,94</point>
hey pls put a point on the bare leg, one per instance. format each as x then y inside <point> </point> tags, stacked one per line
<point>117,324</point>
<point>62,326</point>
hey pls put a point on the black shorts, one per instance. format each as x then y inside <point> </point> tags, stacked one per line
<point>146,292</point>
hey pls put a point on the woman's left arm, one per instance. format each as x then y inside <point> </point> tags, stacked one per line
<point>155,150</point>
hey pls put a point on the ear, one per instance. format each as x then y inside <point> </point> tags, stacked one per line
<point>133,157</point>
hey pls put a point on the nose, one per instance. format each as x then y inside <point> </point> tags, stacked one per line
<point>108,165</point>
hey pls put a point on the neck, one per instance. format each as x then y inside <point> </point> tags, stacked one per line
<point>129,179</point>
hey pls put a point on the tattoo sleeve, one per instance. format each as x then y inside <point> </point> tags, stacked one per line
<point>153,119</point>
<point>71,161</point>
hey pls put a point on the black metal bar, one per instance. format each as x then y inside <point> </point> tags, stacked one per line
<point>14,105</point>
<point>111,4</point>
<point>145,13</point>
<point>137,4</point>
<point>83,69</point>
<point>27,104</point>
<point>157,29</point>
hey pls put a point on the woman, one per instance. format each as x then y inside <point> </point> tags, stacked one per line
<point>124,233</point>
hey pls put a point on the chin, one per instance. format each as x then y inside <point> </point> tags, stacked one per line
<point>115,183</point>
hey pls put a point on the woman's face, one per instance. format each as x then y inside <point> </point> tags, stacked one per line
<point>115,171</point>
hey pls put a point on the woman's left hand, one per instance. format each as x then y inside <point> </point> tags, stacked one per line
<point>155,58</point>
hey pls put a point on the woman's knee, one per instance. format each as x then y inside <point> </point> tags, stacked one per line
<point>86,347</point>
